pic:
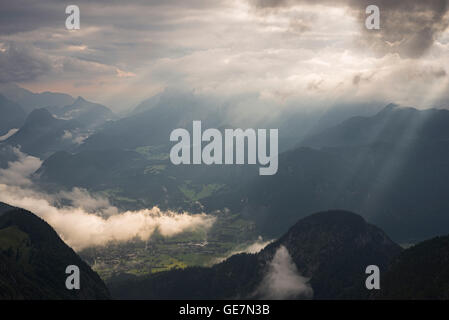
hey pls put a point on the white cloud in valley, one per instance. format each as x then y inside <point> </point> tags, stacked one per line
<point>8,134</point>
<point>89,220</point>
<point>252,248</point>
<point>18,172</point>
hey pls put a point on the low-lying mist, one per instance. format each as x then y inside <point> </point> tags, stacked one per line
<point>84,220</point>
<point>252,248</point>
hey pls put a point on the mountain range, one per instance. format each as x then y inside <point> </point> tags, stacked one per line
<point>29,100</point>
<point>44,123</point>
<point>89,114</point>
<point>388,167</point>
<point>13,115</point>
<point>42,134</point>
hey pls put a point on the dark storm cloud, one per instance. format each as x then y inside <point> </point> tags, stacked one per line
<point>408,27</point>
<point>136,48</point>
<point>22,64</point>
<point>112,29</point>
<point>25,63</point>
<point>27,15</point>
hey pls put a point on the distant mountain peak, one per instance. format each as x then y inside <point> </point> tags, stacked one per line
<point>391,106</point>
<point>80,100</point>
<point>41,115</point>
<point>388,108</point>
<point>332,217</point>
<point>29,100</point>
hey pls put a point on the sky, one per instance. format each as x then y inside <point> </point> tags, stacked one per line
<point>284,52</point>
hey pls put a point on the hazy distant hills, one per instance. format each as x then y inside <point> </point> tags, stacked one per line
<point>87,113</point>
<point>43,134</point>
<point>145,177</point>
<point>152,121</point>
<point>395,176</point>
<point>90,169</point>
<point>332,248</point>
<point>12,115</point>
<point>391,167</point>
<point>29,100</point>
<point>391,125</point>
<point>151,126</point>
<point>44,123</point>
<point>33,260</point>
